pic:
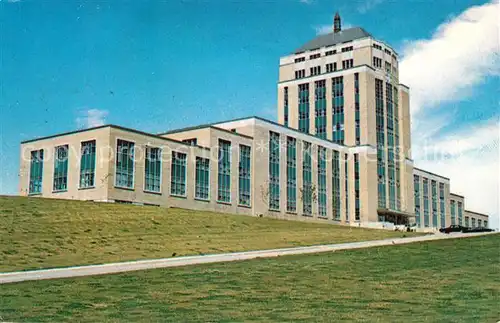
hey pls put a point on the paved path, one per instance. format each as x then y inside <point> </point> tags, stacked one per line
<point>120,267</point>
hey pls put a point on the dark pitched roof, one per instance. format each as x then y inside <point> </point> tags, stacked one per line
<point>334,39</point>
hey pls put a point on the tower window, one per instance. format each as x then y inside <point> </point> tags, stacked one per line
<point>300,74</point>
<point>377,62</point>
<point>348,63</point>
<point>388,67</point>
<point>331,67</point>
<point>316,70</point>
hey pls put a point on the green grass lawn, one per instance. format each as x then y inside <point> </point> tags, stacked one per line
<point>42,233</point>
<point>454,280</point>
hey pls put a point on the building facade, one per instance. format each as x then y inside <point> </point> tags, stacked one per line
<point>340,152</point>
<point>343,87</point>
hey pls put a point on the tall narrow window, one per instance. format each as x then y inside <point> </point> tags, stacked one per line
<point>322,210</point>
<point>285,105</point>
<point>356,109</point>
<point>338,109</point>
<point>36,172</point>
<point>336,185</point>
<point>291,174</point>
<point>459,211</point>
<point>244,176</point>
<point>357,209</point>
<point>434,204</point>
<point>61,168</point>
<point>320,108</point>
<point>441,205</point>
<point>224,176</point>
<point>397,148</point>
<point>274,171</point>
<point>304,108</point>
<point>426,202</point>
<point>87,164</point>
<point>152,170</point>
<point>307,179</point>
<point>473,222</point>
<point>178,174</point>
<point>391,167</point>
<point>416,187</point>
<point>453,212</point>
<point>202,178</point>
<point>346,167</point>
<point>380,122</point>
<point>467,222</point>
<point>125,164</point>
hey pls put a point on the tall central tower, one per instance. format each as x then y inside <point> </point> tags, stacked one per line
<point>344,87</point>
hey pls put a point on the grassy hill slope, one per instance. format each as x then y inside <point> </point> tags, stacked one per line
<point>452,280</point>
<point>41,233</point>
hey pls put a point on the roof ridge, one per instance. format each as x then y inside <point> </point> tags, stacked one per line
<point>332,38</point>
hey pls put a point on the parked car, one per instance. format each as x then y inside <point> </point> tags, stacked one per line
<point>453,228</point>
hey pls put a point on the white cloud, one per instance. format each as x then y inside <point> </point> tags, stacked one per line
<point>367,5</point>
<point>470,158</point>
<point>479,138</point>
<point>91,118</point>
<point>461,54</point>
<point>328,28</point>
<point>323,29</point>
<point>13,1</point>
<point>306,1</point>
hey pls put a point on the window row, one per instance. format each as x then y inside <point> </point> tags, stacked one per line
<point>388,52</point>
<point>309,192</point>
<point>327,53</point>
<point>125,171</point>
<point>330,67</point>
<point>60,178</point>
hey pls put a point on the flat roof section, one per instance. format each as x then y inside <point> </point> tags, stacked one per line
<point>115,127</point>
<point>204,126</point>
<point>293,130</point>
<point>477,213</point>
<point>430,173</point>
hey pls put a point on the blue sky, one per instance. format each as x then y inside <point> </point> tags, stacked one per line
<point>160,65</point>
